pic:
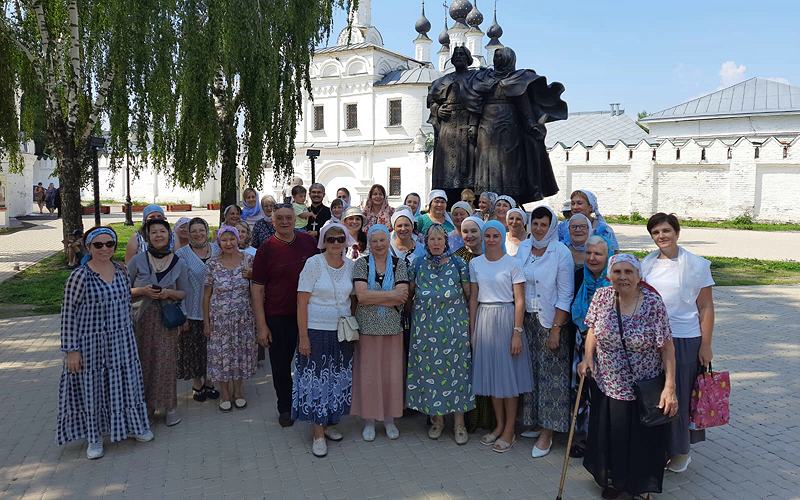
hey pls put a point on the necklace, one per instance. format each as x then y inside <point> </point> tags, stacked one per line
<point>159,264</point>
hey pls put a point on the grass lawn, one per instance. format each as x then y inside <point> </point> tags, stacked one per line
<point>742,223</point>
<point>40,288</point>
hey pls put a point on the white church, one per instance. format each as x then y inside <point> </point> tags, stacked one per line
<point>734,151</point>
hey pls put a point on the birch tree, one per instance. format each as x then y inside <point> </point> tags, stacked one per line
<point>74,64</point>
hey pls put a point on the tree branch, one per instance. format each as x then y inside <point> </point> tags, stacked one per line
<point>75,62</point>
<point>102,93</point>
<point>49,85</point>
<point>12,35</point>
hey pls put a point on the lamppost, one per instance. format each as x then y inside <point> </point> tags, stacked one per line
<point>128,215</point>
<point>96,144</point>
<point>313,154</point>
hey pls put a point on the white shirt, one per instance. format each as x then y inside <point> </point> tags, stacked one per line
<point>684,318</point>
<point>495,279</point>
<point>511,247</point>
<point>549,280</point>
<point>249,250</point>
<point>330,290</point>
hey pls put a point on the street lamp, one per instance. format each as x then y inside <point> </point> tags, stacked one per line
<point>313,154</point>
<point>128,215</point>
<point>96,144</point>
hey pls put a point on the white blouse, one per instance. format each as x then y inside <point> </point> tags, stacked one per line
<point>549,280</point>
<point>330,290</point>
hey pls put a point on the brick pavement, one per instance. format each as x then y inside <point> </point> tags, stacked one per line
<point>245,454</point>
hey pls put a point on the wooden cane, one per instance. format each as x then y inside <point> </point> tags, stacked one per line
<point>569,440</point>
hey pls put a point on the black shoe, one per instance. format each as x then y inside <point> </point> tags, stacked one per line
<point>210,392</point>
<point>578,450</point>
<point>285,419</point>
<point>199,395</point>
<point>610,492</point>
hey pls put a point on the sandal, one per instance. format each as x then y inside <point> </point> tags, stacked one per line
<point>240,403</point>
<point>199,395</point>
<point>460,435</point>
<point>488,439</point>
<point>211,392</point>
<point>225,406</point>
<point>435,431</point>
<point>501,446</point>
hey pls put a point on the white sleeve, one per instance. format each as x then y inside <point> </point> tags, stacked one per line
<point>565,281</point>
<point>517,276</point>
<point>308,276</point>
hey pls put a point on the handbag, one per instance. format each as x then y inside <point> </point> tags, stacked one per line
<point>709,405</point>
<point>172,316</point>
<point>647,391</point>
<point>347,326</point>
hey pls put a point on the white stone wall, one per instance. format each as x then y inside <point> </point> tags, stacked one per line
<point>733,126</point>
<point>719,187</point>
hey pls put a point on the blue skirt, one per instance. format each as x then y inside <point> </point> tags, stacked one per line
<point>322,391</point>
<point>495,372</point>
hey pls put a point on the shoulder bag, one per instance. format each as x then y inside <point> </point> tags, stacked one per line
<point>347,326</point>
<point>172,315</point>
<point>647,391</point>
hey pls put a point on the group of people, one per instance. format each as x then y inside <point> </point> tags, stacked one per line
<point>483,313</point>
<point>49,198</point>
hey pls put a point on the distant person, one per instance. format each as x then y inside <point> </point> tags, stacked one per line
<point>252,210</point>
<point>232,215</point>
<point>181,229</point>
<point>244,239</point>
<point>337,209</point>
<point>50,198</point>
<point>57,202</point>
<point>517,224</point>
<point>486,203</point>
<point>75,249</point>
<point>138,244</point>
<point>566,210</point>
<point>684,282</point>
<point>264,228</point>
<point>503,204</point>
<point>354,222</point>
<point>584,202</point>
<point>468,195</point>
<point>344,194</point>
<point>302,215</point>
<point>437,213</point>
<point>414,203</point>
<point>458,212</point>
<point>321,213</point>
<point>376,208</point>
<point>102,374</point>
<point>38,196</point>
<point>287,191</point>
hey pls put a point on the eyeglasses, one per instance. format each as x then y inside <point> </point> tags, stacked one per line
<point>580,227</point>
<point>108,244</point>
<point>335,239</point>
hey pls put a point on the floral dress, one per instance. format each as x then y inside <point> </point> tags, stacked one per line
<point>232,348</point>
<point>646,331</point>
<point>439,378</point>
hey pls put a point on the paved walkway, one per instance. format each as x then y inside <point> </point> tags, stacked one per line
<point>719,242</point>
<point>245,454</point>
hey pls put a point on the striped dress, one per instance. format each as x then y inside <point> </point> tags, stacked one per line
<point>107,395</point>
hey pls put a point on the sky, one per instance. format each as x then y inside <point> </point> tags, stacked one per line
<point>644,55</point>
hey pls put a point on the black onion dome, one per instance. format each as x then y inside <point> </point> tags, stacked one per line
<point>423,25</point>
<point>495,31</point>
<point>444,36</point>
<point>459,9</point>
<point>475,18</point>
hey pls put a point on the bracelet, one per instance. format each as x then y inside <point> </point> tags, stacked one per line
<point>518,329</point>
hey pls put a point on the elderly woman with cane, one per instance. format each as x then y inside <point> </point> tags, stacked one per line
<point>630,355</point>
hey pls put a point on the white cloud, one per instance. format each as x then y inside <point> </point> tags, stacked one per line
<point>779,79</point>
<point>730,73</point>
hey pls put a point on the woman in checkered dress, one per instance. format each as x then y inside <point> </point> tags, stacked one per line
<point>101,390</point>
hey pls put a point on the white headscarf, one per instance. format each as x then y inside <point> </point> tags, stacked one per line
<point>404,212</point>
<point>511,201</point>
<point>522,214</point>
<point>552,231</point>
<point>436,193</point>
<point>626,258</point>
<point>463,205</point>
<point>692,270</point>
<point>349,240</point>
<point>592,203</point>
<point>590,230</point>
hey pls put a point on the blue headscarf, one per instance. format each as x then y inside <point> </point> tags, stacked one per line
<point>149,209</point>
<point>250,212</point>
<point>580,306</point>
<point>388,277</point>
<point>493,224</point>
<point>94,233</point>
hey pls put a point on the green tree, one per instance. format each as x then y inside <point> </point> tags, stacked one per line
<point>641,115</point>
<point>242,69</point>
<point>68,65</point>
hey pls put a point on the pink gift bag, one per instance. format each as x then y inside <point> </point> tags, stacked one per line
<point>709,406</point>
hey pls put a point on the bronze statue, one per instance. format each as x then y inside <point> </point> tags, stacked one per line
<point>508,156</point>
<point>455,116</point>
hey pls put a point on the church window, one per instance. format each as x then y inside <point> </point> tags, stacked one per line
<point>758,152</point>
<point>730,154</point>
<point>394,182</point>
<point>630,154</point>
<point>677,154</point>
<point>395,112</point>
<point>608,154</point>
<point>786,151</point>
<point>587,156</point>
<point>567,155</point>
<point>351,116</point>
<point>703,154</point>
<point>319,118</point>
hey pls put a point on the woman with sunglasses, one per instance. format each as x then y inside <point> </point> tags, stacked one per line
<point>101,389</point>
<point>323,382</point>
<point>158,277</point>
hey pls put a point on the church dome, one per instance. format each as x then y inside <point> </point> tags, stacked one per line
<point>423,25</point>
<point>459,9</point>
<point>474,18</point>
<point>495,31</point>
<point>444,36</point>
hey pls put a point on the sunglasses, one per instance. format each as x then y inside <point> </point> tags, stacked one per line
<point>108,244</point>
<point>335,239</point>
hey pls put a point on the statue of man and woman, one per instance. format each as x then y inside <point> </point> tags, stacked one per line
<point>489,128</point>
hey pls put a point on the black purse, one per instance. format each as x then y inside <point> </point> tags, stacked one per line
<point>647,391</point>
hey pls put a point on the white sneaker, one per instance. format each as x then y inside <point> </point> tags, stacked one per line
<point>531,434</point>
<point>392,432</point>
<point>94,451</point>
<point>333,434</point>
<point>319,447</point>
<point>679,463</point>
<point>144,437</point>
<point>369,432</point>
